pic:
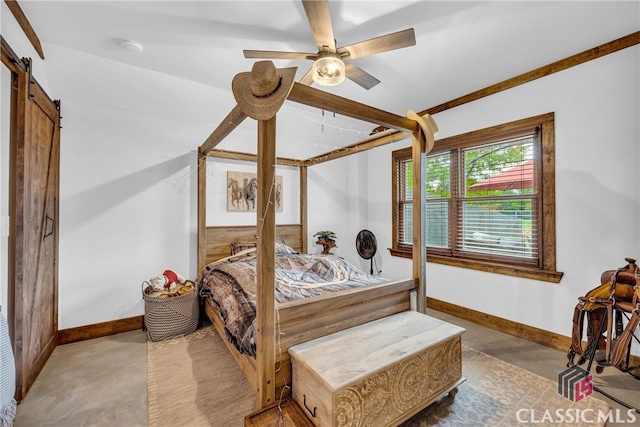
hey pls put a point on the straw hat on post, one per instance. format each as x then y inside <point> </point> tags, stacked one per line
<point>427,125</point>
<point>261,92</point>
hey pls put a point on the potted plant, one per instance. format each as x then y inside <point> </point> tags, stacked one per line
<point>327,239</point>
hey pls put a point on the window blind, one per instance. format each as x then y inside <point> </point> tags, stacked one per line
<point>498,209</point>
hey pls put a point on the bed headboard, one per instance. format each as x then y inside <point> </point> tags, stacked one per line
<point>218,239</point>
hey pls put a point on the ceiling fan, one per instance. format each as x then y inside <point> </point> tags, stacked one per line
<point>332,64</point>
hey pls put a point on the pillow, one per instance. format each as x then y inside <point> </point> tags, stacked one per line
<point>242,246</point>
<point>283,249</point>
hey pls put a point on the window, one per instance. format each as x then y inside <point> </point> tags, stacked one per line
<point>490,200</point>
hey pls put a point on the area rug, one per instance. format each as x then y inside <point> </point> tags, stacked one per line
<point>497,393</point>
<point>194,381</point>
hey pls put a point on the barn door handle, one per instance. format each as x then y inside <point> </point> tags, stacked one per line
<point>53,223</point>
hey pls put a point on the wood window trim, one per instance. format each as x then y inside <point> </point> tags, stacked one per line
<point>546,268</point>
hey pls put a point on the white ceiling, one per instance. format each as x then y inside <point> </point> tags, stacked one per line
<point>192,50</point>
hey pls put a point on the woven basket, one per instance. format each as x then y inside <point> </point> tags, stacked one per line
<point>170,317</point>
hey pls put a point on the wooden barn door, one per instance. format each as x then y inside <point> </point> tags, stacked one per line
<point>33,242</point>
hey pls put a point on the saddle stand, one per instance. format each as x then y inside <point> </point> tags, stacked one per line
<point>605,309</point>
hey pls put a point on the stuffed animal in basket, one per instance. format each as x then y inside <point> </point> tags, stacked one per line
<point>167,281</point>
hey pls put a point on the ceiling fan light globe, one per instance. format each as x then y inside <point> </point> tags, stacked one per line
<point>328,71</point>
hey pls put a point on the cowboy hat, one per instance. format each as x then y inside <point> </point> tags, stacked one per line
<point>261,92</point>
<point>428,126</point>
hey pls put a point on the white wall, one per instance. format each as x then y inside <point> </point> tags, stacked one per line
<point>127,212</point>
<point>217,213</point>
<point>337,202</point>
<point>597,135</point>
<point>127,183</point>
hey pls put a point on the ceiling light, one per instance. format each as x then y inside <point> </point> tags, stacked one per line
<point>328,69</point>
<point>131,46</point>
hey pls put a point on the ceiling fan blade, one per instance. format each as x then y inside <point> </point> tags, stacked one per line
<point>359,76</point>
<point>380,44</point>
<point>307,79</point>
<point>320,21</point>
<point>274,54</point>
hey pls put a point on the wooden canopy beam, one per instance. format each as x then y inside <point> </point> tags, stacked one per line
<point>326,101</point>
<point>367,144</point>
<point>22,20</point>
<point>307,95</point>
<point>233,120</point>
<point>304,94</point>
<point>238,155</point>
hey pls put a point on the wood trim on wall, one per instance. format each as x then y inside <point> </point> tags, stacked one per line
<point>544,71</point>
<point>97,330</point>
<point>529,333</point>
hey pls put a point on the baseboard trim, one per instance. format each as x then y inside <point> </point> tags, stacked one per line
<point>97,330</point>
<point>529,333</point>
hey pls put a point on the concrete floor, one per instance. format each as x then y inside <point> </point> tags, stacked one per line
<point>103,382</point>
<point>99,382</point>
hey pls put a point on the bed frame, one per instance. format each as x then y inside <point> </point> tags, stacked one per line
<point>303,320</point>
<point>300,321</point>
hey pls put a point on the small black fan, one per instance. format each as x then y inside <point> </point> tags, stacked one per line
<point>367,246</point>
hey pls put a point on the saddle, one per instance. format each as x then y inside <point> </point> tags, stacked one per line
<point>608,340</point>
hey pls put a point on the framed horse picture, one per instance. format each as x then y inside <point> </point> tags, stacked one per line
<point>242,191</point>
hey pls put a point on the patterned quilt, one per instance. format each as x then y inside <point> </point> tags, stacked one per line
<point>231,285</point>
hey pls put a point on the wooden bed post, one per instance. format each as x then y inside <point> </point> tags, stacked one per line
<point>303,208</point>
<point>202,211</point>
<point>418,153</point>
<point>265,298</point>
<point>393,297</point>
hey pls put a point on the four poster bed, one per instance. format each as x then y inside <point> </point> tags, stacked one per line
<point>281,325</point>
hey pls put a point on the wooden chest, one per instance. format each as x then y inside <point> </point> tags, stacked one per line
<point>377,374</point>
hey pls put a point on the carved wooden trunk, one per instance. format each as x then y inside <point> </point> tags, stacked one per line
<point>377,374</point>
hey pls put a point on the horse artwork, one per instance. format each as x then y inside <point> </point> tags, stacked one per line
<point>236,193</point>
<point>278,195</point>
<point>242,191</point>
<point>250,192</point>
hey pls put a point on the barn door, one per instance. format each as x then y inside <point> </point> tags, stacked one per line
<point>33,257</point>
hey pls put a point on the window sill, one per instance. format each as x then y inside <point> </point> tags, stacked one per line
<point>526,272</point>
